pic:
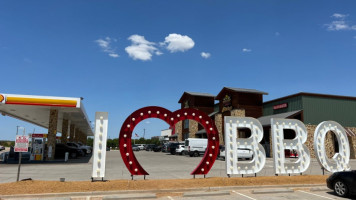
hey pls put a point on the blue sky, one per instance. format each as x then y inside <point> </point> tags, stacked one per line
<point>124,55</point>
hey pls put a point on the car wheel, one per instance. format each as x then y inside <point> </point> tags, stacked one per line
<point>340,188</point>
<point>73,155</point>
<point>196,154</point>
<point>88,151</point>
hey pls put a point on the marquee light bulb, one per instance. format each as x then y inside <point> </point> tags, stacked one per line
<point>207,163</point>
<point>157,112</point>
<point>127,154</point>
<point>125,145</point>
<point>172,119</point>
<point>211,155</point>
<point>202,169</point>
<point>125,135</point>
<point>200,117</point>
<point>165,115</point>
<point>101,117</point>
<point>133,119</point>
<point>213,138</point>
<point>136,170</point>
<point>128,125</point>
<point>178,115</point>
<point>193,114</point>
<point>185,113</point>
<point>141,114</point>
<point>149,112</point>
<point>130,163</point>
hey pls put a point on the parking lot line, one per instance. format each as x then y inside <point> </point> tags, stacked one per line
<point>314,194</point>
<point>243,195</point>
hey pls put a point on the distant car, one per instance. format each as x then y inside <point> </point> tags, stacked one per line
<point>343,183</point>
<point>165,147</point>
<point>241,153</point>
<point>157,148</point>
<point>141,146</point>
<point>88,149</point>
<point>2,148</point>
<point>180,149</point>
<point>61,149</point>
<point>135,148</point>
<point>75,145</point>
<point>172,147</point>
<point>149,147</point>
<point>107,148</point>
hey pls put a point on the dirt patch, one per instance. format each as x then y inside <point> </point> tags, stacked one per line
<point>36,187</point>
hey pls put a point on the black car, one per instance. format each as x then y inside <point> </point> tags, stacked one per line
<point>61,149</point>
<point>149,147</point>
<point>172,148</point>
<point>343,183</point>
<point>157,148</point>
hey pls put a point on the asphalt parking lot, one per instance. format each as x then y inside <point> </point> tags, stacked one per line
<point>159,165</point>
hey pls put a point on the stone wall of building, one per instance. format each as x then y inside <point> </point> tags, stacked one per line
<point>178,129</point>
<point>52,133</point>
<point>238,113</point>
<point>193,128</point>
<point>218,124</point>
<point>352,142</point>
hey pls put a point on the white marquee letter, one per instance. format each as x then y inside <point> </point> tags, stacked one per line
<point>233,143</point>
<point>343,157</point>
<point>279,144</point>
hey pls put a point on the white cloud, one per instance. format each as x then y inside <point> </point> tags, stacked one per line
<point>205,55</point>
<point>339,24</point>
<point>105,45</point>
<point>246,50</point>
<point>338,15</point>
<point>141,49</point>
<point>176,42</point>
<point>114,55</point>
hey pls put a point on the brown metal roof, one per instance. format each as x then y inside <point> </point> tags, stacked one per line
<point>195,94</point>
<point>242,90</point>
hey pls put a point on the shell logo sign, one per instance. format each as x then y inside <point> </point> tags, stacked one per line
<point>1,98</point>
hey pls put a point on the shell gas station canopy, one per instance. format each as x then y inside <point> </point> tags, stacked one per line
<point>36,110</point>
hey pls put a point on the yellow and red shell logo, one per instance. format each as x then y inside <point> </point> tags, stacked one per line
<point>1,98</point>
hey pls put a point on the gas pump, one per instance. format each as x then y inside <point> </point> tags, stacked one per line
<point>38,146</point>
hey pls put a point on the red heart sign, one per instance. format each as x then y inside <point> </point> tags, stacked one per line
<point>171,118</point>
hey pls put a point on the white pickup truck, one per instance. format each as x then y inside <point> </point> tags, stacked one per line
<point>241,153</point>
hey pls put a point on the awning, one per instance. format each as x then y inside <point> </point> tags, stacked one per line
<point>213,113</point>
<point>266,120</point>
<point>350,132</point>
<point>201,132</point>
<point>36,109</point>
<point>173,136</point>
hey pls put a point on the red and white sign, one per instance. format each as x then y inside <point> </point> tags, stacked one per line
<point>21,143</point>
<point>280,106</point>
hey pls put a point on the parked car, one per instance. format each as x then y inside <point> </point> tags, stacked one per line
<point>141,146</point>
<point>172,148</point>
<point>180,149</point>
<point>75,145</point>
<point>157,148</point>
<point>165,147</point>
<point>61,149</point>
<point>343,183</point>
<point>88,149</point>
<point>2,148</point>
<point>135,147</point>
<point>195,146</point>
<point>241,153</point>
<point>149,147</point>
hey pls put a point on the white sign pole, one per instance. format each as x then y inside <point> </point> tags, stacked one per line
<point>99,153</point>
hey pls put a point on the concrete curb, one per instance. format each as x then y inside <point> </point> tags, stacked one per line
<point>206,193</point>
<point>116,192</point>
<point>320,189</point>
<point>271,190</point>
